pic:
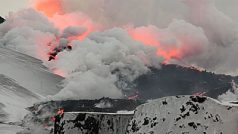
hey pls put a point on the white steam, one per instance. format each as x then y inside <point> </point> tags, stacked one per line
<point>220,30</point>
<point>203,36</point>
<point>96,63</point>
<point>29,32</point>
<point>231,95</point>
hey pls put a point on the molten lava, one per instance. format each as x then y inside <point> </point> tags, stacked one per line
<point>60,111</point>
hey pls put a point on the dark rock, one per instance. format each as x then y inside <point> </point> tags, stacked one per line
<point>173,80</point>
<point>1,20</point>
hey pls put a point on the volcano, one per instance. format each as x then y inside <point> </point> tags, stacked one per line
<point>169,80</point>
<point>172,80</point>
<point>65,68</point>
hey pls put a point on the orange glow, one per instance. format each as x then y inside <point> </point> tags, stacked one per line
<point>60,111</point>
<point>133,97</point>
<point>48,7</point>
<point>54,11</point>
<point>44,45</point>
<point>59,72</point>
<point>74,19</point>
<point>143,35</point>
<point>199,94</point>
<point>168,54</point>
<point>150,36</point>
<point>52,119</point>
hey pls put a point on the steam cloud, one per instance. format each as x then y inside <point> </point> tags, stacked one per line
<point>112,39</point>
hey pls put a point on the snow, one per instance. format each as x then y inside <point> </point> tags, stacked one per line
<point>23,81</point>
<point>14,99</point>
<point>184,114</point>
<point>9,129</point>
<point>93,122</point>
<point>28,72</point>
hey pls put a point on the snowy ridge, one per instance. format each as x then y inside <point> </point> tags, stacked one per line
<point>184,114</point>
<point>28,72</point>
<point>23,82</point>
<point>14,97</point>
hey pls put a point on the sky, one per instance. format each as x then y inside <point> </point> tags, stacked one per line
<point>229,7</point>
<point>7,6</point>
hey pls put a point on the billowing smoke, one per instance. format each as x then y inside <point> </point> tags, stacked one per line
<point>95,64</point>
<point>219,29</point>
<point>113,40</point>
<point>222,34</point>
<point>29,32</point>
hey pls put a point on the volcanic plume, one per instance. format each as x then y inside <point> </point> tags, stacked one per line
<point>95,44</point>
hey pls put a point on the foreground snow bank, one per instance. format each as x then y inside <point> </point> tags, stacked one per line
<point>184,114</point>
<point>93,123</point>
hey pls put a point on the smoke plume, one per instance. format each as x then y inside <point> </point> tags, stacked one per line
<point>113,39</point>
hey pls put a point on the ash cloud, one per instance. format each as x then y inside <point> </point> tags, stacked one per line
<point>95,64</point>
<point>219,28</point>
<point>111,39</point>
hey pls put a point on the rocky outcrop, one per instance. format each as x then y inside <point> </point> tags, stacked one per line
<point>172,80</point>
<point>96,111</point>
<point>1,20</point>
<point>184,115</point>
<point>93,123</point>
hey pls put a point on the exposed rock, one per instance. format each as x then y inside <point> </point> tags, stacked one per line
<point>1,20</point>
<point>172,80</point>
<point>186,115</point>
<point>93,123</point>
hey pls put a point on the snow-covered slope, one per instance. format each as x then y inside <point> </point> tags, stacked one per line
<point>23,81</point>
<point>184,115</point>
<point>28,72</point>
<point>9,129</point>
<point>14,98</point>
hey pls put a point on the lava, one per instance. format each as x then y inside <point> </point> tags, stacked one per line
<point>60,111</point>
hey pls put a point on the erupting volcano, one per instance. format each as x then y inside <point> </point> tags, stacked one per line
<point>79,26</point>
<point>107,57</point>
